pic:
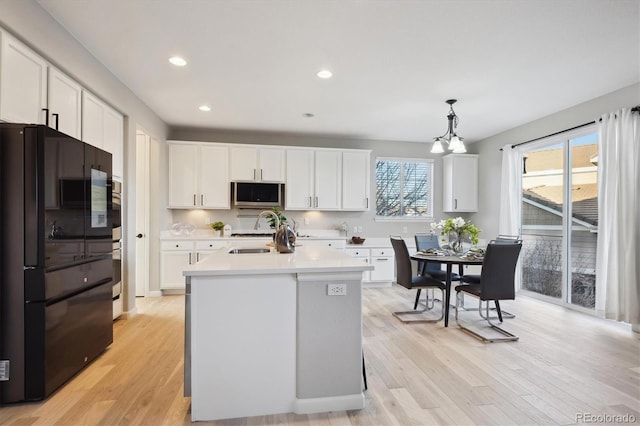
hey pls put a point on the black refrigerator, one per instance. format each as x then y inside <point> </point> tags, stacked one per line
<point>56,271</point>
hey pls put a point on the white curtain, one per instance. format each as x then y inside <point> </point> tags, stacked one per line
<point>510,192</point>
<point>617,261</point>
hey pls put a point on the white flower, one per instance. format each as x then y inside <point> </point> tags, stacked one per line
<point>458,222</point>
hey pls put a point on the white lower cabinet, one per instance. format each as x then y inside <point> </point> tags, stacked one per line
<point>176,256</point>
<point>383,261</point>
<point>363,255</point>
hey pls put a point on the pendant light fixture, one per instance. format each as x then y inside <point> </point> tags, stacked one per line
<point>454,142</point>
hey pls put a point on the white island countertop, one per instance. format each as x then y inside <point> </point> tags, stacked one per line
<point>304,259</point>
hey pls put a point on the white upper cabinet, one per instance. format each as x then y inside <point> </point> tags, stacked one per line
<point>198,176</point>
<point>355,180</point>
<point>251,163</point>
<point>23,83</point>
<point>114,139</point>
<point>64,103</point>
<point>183,175</point>
<point>92,120</point>
<point>314,179</point>
<point>328,176</point>
<point>460,177</point>
<point>299,187</point>
<point>214,177</point>
<point>103,127</point>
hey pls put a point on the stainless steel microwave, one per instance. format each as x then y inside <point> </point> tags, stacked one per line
<point>256,194</point>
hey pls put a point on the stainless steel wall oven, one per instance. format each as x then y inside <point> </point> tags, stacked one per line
<point>117,248</point>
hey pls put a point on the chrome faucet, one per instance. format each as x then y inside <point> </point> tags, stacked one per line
<point>284,239</point>
<point>264,213</point>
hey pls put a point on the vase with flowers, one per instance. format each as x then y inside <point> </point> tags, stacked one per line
<point>457,229</point>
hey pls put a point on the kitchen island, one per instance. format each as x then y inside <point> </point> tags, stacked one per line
<point>271,333</point>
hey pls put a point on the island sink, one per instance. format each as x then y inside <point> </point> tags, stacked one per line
<point>249,250</point>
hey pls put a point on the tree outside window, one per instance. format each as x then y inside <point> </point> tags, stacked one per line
<point>404,188</point>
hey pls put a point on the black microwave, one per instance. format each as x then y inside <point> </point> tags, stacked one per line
<point>256,194</point>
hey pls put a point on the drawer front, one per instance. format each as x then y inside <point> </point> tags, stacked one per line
<point>337,244</point>
<point>210,245</point>
<point>380,252</point>
<point>177,245</point>
<point>357,252</point>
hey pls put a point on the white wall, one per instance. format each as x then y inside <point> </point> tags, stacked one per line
<point>490,159</point>
<point>27,21</point>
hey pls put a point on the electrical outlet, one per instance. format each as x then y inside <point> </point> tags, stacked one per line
<point>359,229</point>
<point>355,229</point>
<point>404,229</point>
<point>336,289</point>
<point>207,221</point>
<point>306,220</point>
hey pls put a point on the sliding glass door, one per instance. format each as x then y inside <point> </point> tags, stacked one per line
<point>560,218</point>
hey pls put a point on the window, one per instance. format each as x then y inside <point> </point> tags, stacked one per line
<point>560,218</point>
<point>404,188</point>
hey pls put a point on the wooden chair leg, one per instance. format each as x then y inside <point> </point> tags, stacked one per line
<point>415,305</point>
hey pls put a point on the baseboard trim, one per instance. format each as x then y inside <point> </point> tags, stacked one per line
<point>130,313</point>
<point>332,403</point>
<point>155,293</point>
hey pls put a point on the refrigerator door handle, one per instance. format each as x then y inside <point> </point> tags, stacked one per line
<point>32,224</point>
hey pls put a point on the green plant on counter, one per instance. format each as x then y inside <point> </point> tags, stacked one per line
<point>217,225</point>
<point>271,219</point>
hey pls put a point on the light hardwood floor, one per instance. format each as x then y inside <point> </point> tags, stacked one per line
<point>566,364</point>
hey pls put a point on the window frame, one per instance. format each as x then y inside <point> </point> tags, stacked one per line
<point>430,189</point>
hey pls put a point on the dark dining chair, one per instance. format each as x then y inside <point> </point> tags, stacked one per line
<point>497,282</point>
<point>475,279</point>
<point>406,278</point>
<point>425,242</point>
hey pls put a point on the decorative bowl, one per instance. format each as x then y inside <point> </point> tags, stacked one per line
<point>357,240</point>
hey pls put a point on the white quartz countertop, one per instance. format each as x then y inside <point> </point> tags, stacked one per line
<point>304,259</point>
<point>207,235</point>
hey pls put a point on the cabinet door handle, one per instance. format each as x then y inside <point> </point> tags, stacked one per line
<point>455,203</point>
<point>57,116</point>
<point>194,199</point>
<point>254,174</point>
<point>198,257</point>
<point>316,202</point>
<point>382,259</point>
<point>367,199</point>
<point>189,258</point>
<point>46,116</point>
<point>310,202</point>
<point>202,199</point>
<point>260,174</point>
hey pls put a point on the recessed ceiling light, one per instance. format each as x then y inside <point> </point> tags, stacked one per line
<point>177,61</point>
<point>325,74</point>
<point>205,108</point>
<point>308,115</point>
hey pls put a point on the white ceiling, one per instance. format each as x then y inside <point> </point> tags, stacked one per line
<point>395,62</point>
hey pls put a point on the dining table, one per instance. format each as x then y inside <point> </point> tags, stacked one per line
<point>449,261</point>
